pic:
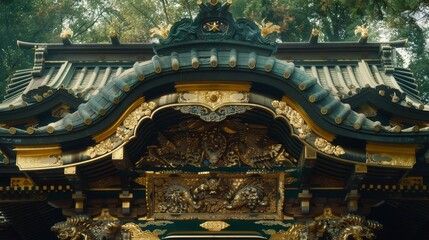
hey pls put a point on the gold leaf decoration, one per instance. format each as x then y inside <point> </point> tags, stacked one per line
<point>267,28</point>
<point>161,31</point>
<point>214,226</point>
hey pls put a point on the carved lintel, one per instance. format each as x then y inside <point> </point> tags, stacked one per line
<point>218,196</point>
<point>352,200</point>
<point>305,197</point>
<point>126,198</point>
<point>79,199</point>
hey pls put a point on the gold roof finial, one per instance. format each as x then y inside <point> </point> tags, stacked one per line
<point>160,31</point>
<point>214,2</point>
<point>268,28</point>
<point>363,30</point>
<point>66,33</point>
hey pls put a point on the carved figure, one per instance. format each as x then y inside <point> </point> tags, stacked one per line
<point>330,227</point>
<point>160,31</point>
<point>225,144</point>
<point>177,199</point>
<point>249,196</point>
<point>210,187</point>
<point>137,233</point>
<point>268,28</point>
<point>82,227</point>
<point>354,226</point>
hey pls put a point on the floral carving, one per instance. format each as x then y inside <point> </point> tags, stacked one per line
<point>123,132</point>
<point>295,119</point>
<point>327,147</point>
<point>303,129</point>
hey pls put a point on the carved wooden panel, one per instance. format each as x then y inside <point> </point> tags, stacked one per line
<point>215,195</point>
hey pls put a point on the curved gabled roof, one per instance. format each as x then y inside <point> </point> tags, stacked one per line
<point>142,76</point>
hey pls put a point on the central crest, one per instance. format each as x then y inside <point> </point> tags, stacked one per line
<point>214,24</point>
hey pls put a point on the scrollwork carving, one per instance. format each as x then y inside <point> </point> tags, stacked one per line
<point>213,116</point>
<point>303,130</point>
<point>123,132</point>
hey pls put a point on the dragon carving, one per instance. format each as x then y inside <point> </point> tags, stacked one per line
<point>336,228</point>
<point>82,227</point>
<point>177,198</point>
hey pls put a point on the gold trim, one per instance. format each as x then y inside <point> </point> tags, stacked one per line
<point>214,86</point>
<point>395,155</point>
<point>214,226</point>
<point>409,149</point>
<point>316,129</point>
<point>112,129</point>
<point>39,150</point>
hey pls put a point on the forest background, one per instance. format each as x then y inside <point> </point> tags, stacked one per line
<point>92,20</point>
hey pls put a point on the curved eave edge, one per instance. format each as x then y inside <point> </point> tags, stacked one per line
<point>384,101</point>
<point>336,114</point>
<point>54,98</point>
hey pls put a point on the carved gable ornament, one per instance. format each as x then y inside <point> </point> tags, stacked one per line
<point>230,143</point>
<point>214,22</point>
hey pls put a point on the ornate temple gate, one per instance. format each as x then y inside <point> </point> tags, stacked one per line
<point>212,138</point>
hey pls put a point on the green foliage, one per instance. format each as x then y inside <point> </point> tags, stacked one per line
<point>91,21</point>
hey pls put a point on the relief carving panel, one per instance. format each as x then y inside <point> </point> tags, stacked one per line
<point>225,144</point>
<point>215,195</point>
